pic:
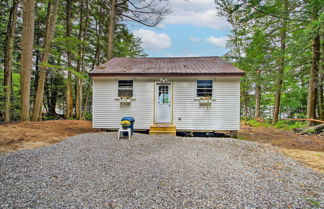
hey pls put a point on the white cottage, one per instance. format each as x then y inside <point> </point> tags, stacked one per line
<point>166,95</point>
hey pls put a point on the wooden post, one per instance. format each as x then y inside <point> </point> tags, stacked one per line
<point>233,134</point>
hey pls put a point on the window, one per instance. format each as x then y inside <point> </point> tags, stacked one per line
<point>204,88</point>
<point>164,97</point>
<point>125,88</point>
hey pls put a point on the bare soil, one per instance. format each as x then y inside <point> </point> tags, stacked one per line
<point>308,149</point>
<point>30,135</point>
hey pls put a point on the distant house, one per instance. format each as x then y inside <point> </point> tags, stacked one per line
<point>166,95</point>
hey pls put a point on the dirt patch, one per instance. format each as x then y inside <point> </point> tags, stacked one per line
<point>282,138</point>
<point>30,135</point>
<point>309,149</point>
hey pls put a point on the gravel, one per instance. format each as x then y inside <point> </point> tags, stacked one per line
<point>98,171</point>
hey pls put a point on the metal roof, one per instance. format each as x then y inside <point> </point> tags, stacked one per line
<point>171,66</point>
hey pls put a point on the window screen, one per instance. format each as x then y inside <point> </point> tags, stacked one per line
<point>204,88</point>
<point>125,88</point>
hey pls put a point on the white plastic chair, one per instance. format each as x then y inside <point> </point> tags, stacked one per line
<point>121,130</point>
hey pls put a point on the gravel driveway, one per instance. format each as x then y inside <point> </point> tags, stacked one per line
<point>97,171</point>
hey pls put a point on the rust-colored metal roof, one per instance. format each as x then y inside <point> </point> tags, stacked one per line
<point>171,66</point>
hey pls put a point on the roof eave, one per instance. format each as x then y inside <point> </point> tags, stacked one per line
<point>162,74</point>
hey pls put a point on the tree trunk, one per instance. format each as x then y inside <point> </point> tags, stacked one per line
<point>87,93</point>
<point>111,32</point>
<point>312,89</point>
<point>26,56</point>
<point>37,53</point>
<point>98,32</point>
<point>244,98</point>
<point>312,130</point>
<point>8,59</point>
<point>320,86</point>
<point>69,93</point>
<point>80,64</point>
<point>50,29</point>
<point>53,93</point>
<point>69,96</point>
<point>276,108</point>
<point>258,95</point>
<point>245,104</point>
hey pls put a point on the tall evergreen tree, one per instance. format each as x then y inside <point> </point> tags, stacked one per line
<point>11,26</point>
<point>27,41</point>
<point>50,28</point>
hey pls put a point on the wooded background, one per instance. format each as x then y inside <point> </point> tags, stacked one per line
<point>48,46</point>
<point>280,46</point>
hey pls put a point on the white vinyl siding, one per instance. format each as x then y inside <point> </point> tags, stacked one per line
<point>222,114</point>
<point>107,109</point>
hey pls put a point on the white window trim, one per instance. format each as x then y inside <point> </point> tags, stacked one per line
<point>133,98</point>
<point>196,87</point>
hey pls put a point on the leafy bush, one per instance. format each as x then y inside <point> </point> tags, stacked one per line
<point>290,124</point>
<point>52,117</point>
<point>48,117</point>
<point>87,116</point>
<point>282,124</point>
<point>311,131</point>
<point>257,123</point>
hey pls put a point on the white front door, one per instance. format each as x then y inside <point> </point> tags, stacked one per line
<point>163,103</point>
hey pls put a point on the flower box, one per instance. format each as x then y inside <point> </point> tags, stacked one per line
<point>205,101</point>
<point>125,100</point>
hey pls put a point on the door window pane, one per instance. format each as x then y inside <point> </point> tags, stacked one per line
<point>164,97</point>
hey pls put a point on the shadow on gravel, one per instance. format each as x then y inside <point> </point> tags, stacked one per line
<point>192,134</point>
<point>202,134</point>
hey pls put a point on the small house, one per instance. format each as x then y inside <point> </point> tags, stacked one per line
<point>165,95</point>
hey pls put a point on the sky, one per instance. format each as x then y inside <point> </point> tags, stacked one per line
<point>192,29</point>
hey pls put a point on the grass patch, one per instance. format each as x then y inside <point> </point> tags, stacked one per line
<point>257,123</point>
<point>290,124</point>
<point>282,124</point>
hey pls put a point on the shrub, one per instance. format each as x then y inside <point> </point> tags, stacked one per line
<point>87,116</point>
<point>290,124</point>
<point>282,124</point>
<point>257,123</point>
